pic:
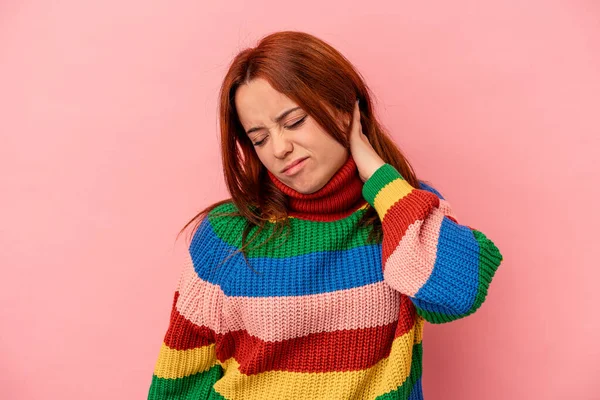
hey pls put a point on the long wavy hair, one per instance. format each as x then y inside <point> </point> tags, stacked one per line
<point>319,79</point>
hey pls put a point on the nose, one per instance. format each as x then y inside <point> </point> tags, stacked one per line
<point>281,145</point>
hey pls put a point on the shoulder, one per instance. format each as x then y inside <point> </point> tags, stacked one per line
<point>445,206</point>
<point>427,186</point>
<point>221,224</point>
<point>214,240</point>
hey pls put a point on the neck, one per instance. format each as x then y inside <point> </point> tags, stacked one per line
<point>340,197</point>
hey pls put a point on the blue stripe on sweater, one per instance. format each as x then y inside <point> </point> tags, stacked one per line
<point>452,287</point>
<point>416,392</point>
<point>312,273</point>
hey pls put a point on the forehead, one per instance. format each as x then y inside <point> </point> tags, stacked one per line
<point>257,102</point>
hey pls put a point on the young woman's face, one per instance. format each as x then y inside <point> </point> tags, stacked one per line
<point>293,137</point>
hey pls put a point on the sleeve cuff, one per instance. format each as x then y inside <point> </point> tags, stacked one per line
<point>380,178</point>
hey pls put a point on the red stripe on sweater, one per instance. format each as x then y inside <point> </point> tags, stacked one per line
<point>413,207</point>
<point>183,334</point>
<point>328,217</point>
<point>345,350</point>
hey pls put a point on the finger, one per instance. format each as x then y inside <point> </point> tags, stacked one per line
<point>356,116</point>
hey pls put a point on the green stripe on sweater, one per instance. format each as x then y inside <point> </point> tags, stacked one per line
<point>198,386</point>
<point>380,178</point>
<point>326,236</point>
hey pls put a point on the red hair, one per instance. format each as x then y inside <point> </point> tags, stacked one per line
<point>319,79</point>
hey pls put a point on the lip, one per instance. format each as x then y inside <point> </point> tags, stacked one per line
<point>295,167</point>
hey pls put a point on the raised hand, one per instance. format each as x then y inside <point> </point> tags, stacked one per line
<point>366,158</point>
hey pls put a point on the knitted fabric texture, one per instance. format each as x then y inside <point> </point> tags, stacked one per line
<point>323,314</point>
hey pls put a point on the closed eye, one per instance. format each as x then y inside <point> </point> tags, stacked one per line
<point>292,126</point>
<point>297,123</point>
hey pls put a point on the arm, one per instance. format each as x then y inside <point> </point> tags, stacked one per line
<point>444,267</point>
<point>187,365</point>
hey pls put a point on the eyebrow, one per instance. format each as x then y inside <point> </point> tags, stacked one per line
<point>277,119</point>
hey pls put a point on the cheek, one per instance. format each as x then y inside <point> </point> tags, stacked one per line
<point>321,140</point>
<point>313,137</point>
<point>262,156</point>
<point>265,156</point>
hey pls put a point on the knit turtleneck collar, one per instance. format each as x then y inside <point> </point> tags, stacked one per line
<point>340,197</point>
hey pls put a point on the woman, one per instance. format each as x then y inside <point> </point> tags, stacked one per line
<point>315,279</point>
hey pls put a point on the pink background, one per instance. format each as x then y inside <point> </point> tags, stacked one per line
<point>109,145</point>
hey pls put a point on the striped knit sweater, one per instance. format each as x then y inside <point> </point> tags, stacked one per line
<point>323,314</point>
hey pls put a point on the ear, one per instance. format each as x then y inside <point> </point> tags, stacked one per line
<point>346,119</point>
<point>343,120</point>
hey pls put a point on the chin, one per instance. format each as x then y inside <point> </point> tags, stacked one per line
<point>308,188</point>
<point>310,191</point>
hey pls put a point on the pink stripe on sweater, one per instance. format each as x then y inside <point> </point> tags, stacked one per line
<point>411,263</point>
<point>286,317</point>
<point>199,301</point>
<point>446,209</point>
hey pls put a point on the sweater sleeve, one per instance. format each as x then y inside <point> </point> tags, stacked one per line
<point>444,267</point>
<point>187,365</point>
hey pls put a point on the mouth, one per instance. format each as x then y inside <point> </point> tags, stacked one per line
<point>295,167</point>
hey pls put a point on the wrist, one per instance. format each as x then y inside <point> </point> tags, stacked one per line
<point>373,167</point>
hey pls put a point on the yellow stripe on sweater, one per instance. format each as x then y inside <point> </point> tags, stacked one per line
<point>386,375</point>
<point>390,194</point>
<point>174,364</point>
